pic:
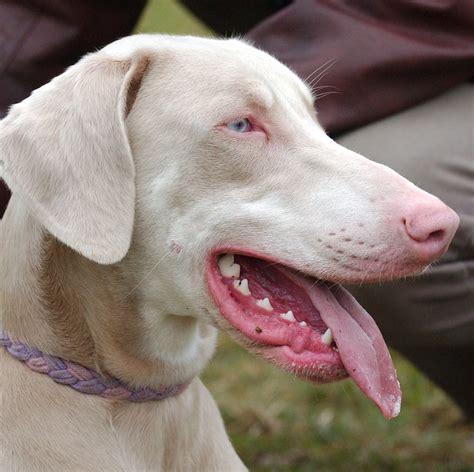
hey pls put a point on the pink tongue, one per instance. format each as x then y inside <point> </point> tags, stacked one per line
<point>360,344</point>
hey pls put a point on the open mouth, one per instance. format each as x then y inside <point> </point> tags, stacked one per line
<point>313,328</point>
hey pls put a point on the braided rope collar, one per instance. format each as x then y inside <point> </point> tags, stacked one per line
<point>83,379</point>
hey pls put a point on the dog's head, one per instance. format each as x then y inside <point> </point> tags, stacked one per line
<point>201,164</point>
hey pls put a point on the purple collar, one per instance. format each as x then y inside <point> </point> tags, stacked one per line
<point>82,378</point>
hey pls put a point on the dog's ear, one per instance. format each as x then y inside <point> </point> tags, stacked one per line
<point>65,150</point>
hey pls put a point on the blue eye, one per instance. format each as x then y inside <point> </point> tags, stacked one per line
<point>242,125</point>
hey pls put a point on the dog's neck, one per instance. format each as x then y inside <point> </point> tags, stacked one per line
<point>56,300</point>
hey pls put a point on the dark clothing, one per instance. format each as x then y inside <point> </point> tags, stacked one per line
<point>233,18</point>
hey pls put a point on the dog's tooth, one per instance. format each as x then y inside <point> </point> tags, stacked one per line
<point>226,261</point>
<point>242,286</point>
<point>327,337</point>
<point>235,270</point>
<point>227,266</point>
<point>303,324</point>
<point>265,304</point>
<point>288,316</point>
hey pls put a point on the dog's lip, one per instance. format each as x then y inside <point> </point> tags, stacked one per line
<point>320,364</point>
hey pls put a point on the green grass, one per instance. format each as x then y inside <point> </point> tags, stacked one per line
<point>278,423</point>
<point>170,17</point>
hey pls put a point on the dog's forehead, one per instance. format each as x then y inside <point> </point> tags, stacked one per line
<point>221,61</point>
<point>257,71</point>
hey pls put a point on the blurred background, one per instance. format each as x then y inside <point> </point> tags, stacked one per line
<point>278,423</point>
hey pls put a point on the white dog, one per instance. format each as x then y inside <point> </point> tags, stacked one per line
<point>163,187</point>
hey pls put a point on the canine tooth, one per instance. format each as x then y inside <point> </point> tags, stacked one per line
<point>327,337</point>
<point>227,266</point>
<point>288,316</point>
<point>265,304</point>
<point>303,324</point>
<point>242,286</point>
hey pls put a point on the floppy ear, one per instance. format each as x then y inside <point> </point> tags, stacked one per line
<point>65,150</point>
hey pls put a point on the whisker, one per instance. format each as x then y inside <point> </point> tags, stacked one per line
<point>315,71</point>
<point>325,94</point>
<point>335,285</point>
<point>321,74</point>
<point>317,282</point>
<point>145,278</point>
<point>320,87</point>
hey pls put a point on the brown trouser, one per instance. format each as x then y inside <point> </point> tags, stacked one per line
<point>430,319</point>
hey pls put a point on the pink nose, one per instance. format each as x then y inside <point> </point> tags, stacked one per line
<point>431,226</point>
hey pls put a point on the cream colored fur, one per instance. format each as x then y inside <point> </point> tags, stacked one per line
<point>122,182</point>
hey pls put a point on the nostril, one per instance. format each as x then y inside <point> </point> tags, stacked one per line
<point>424,233</point>
<point>436,236</point>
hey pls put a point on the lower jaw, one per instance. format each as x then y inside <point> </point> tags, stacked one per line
<point>320,367</point>
<point>315,367</point>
